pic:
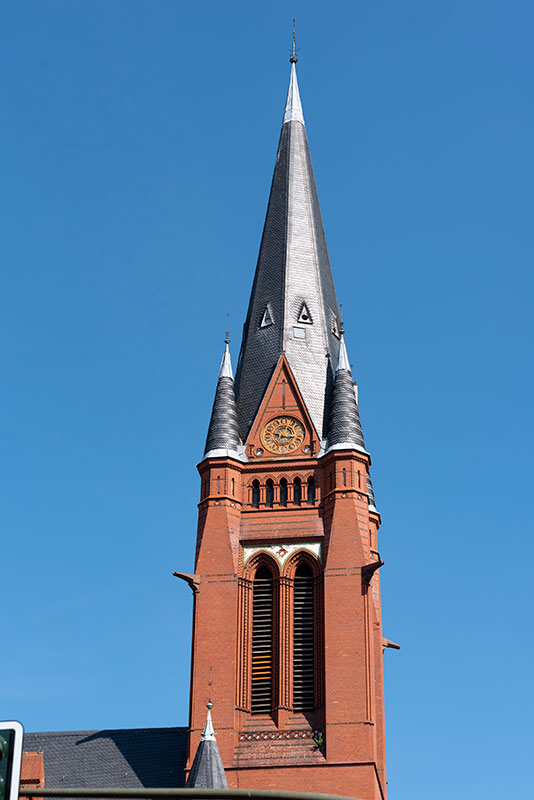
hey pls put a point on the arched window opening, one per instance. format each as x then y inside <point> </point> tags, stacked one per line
<point>297,491</point>
<point>262,642</point>
<point>359,479</point>
<point>218,485</point>
<point>311,490</point>
<point>233,487</point>
<point>303,639</point>
<point>344,477</point>
<point>283,492</point>
<point>256,494</point>
<point>269,493</point>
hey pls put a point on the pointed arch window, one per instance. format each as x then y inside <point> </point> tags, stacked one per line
<point>269,493</point>
<point>297,491</point>
<point>283,492</point>
<point>311,491</point>
<point>303,639</point>
<point>256,494</point>
<point>280,642</point>
<point>262,642</point>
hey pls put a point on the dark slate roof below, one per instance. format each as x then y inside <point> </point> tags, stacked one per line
<point>128,758</point>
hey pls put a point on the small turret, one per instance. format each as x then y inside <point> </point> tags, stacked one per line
<point>344,427</point>
<point>223,432</point>
<point>207,771</point>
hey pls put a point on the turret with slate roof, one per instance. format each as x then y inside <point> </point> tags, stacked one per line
<point>344,427</point>
<point>207,771</point>
<point>223,432</point>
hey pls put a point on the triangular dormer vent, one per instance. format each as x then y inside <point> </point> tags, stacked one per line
<point>335,326</point>
<point>305,315</point>
<point>267,318</point>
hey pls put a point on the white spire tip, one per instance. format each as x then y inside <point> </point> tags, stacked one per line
<point>293,110</point>
<point>226,364</point>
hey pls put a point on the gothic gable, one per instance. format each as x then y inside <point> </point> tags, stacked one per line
<point>283,427</point>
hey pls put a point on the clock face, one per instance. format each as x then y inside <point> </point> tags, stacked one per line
<point>283,435</point>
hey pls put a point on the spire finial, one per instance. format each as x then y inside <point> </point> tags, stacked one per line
<point>227,340</point>
<point>209,704</point>
<point>293,109</point>
<point>293,59</point>
<point>208,734</point>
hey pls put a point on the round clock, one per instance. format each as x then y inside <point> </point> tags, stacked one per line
<point>283,435</point>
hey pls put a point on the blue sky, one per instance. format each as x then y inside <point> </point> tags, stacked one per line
<point>138,142</point>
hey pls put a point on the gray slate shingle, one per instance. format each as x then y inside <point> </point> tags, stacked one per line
<point>125,758</point>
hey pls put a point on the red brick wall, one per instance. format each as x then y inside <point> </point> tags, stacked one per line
<point>339,748</point>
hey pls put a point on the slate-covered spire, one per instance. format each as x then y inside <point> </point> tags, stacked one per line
<point>293,305</point>
<point>344,427</point>
<point>223,433</point>
<point>207,771</point>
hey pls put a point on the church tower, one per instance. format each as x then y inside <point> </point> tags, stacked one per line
<point>287,620</point>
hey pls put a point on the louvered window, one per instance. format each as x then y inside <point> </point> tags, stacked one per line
<point>297,491</point>
<point>269,493</point>
<point>255,494</point>
<point>303,639</point>
<point>311,490</point>
<point>262,642</point>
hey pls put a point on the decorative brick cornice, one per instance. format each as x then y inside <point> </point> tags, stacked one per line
<point>263,736</point>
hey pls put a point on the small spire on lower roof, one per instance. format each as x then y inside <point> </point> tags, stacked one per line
<point>208,734</point>
<point>207,771</point>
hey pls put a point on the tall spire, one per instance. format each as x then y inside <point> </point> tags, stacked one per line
<point>223,433</point>
<point>207,771</point>
<point>293,306</point>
